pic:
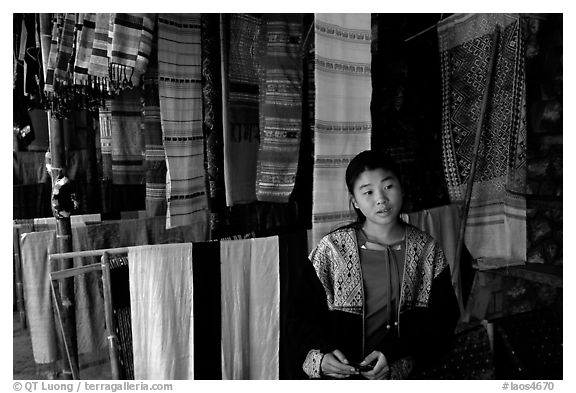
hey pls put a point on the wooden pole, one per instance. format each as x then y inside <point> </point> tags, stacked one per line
<point>470,184</point>
<point>64,242</point>
<point>20,307</point>
<point>110,327</point>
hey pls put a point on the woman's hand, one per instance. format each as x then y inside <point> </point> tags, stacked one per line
<point>380,370</point>
<point>334,364</point>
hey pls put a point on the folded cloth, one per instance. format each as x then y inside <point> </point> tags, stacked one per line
<point>35,248</point>
<point>161,306</point>
<point>250,308</point>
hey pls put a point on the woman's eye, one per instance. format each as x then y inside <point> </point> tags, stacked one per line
<point>389,186</point>
<point>368,193</point>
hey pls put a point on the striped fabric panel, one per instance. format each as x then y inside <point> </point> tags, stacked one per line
<point>99,60</point>
<point>84,41</point>
<point>342,113</point>
<point>105,129</point>
<point>127,138</point>
<point>496,225</point>
<point>280,109</point>
<point>181,116</point>
<point>57,23</point>
<point>131,46</point>
<point>126,39</point>
<point>64,66</point>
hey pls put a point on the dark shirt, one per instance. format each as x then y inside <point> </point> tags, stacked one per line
<point>382,277</point>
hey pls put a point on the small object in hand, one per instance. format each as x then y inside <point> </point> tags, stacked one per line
<point>363,367</point>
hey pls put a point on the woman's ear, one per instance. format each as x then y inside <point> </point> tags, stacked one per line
<point>354,202</point>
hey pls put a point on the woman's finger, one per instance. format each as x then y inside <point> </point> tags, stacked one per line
<point>331,364</point>
<point>340,356</point>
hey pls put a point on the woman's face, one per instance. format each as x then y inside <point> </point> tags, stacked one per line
<point>378,195</point>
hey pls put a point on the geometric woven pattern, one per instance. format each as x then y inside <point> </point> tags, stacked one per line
<point>496,225</point>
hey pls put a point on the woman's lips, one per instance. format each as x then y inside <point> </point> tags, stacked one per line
<point>384,211</point>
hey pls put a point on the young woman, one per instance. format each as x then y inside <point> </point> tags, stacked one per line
<point>380,303</point>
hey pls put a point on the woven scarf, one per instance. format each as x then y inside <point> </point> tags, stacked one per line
<point>131,45</point>
<point>155,154</point>
<point>64,65</point>
<point>343,122</point>
<point>496,225</point>
<point>145,46</point>
<point>242,56</point>
<point>181,116</point>
<point>105,129</point>
<point>84,42</point>
<point>127,138</point>
<point>212,120</point>
<point>280,108</point>
<point>99,60</point>
<point>57,22</point>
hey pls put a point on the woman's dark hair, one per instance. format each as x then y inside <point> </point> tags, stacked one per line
<point>367,160</point>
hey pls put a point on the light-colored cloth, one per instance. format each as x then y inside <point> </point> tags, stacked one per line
<point>34,248</point>
<point>161,307</point>
<point>250,308</point>
<point>496,225</point>
<point>280,108</point>
<point>179,86</point>
<point>342,117</point>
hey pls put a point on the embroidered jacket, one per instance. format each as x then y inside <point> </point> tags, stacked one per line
<point>427,305</point>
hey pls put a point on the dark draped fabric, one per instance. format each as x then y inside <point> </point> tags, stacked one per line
<point>293,253</point>
<point>121,313</point>
<point>206,303</point>
<point>212,118</point>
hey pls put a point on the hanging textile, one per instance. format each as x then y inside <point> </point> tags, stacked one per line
<point>292,250</point>
<point>280,108</point>
<point>250,308</point>
<point>57,22</point>
<point>342,123</point>
<point>99,60</point>
<point>84,42</point>
<point>212,120</point>
<point>131,44</point>
<point>127,138</point>
<point>496,225</point>
<point>120,288</point>
<point>207,319</point>
<point>241,90</point>
<point>161,298</point>
<point>45,26</point>
<point>155,154</point>
<point>35,248</point>
<point>181,116</point>
<point>105,129</point>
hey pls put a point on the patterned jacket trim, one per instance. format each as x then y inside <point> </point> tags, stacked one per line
<point>312,363</point>
<point>336,260</point>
